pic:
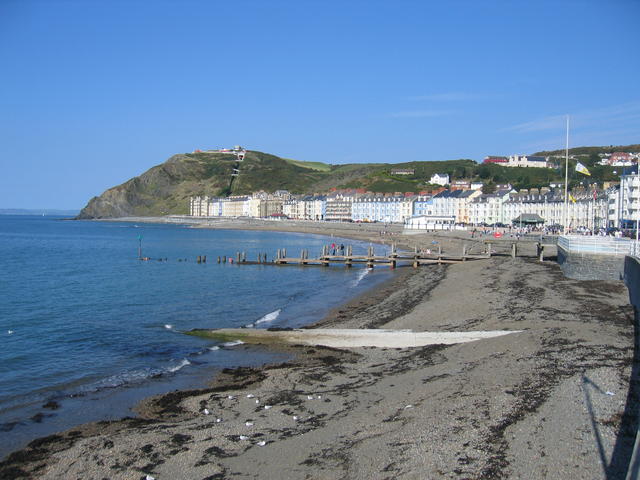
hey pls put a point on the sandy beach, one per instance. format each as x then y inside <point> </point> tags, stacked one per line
<point>550,401</point>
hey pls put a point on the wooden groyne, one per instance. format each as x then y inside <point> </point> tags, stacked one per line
<point>329,256</point>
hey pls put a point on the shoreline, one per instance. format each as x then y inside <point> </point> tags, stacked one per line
<point>488,409</point>
<point>108,414</point>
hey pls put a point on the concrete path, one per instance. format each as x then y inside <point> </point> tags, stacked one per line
<point>346,338</point>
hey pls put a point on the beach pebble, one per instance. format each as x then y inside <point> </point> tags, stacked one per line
<point>257,401</point>
<point>261,443</point>
<point>243,437</point>
<point>267,407</point>
<point>319,397</point>
<point>205,411</point>
<point>249,424</point>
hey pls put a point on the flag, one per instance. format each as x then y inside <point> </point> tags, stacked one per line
<point>572,198</point>
<point>582,169</point>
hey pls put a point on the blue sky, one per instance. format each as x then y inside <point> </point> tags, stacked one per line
<point>96,92</point>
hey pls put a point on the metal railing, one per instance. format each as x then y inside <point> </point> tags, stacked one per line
<point>634,251</point>
<point>597,244</point>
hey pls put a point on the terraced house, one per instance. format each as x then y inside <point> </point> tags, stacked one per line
<point>380,208</point>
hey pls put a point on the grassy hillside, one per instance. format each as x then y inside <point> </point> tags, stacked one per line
<point>591,150</point>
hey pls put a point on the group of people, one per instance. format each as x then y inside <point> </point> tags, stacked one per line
<point>335,248</point>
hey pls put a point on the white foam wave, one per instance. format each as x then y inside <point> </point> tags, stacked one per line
<point>361,275</point>
<point>168,327</point>
<point>269,317</point>
<point>181,365</point>
<point>233,343</point>
<point>214,348</point>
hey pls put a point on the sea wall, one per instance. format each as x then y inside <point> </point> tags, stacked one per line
<point>591,266</point>
<point>632,279</point>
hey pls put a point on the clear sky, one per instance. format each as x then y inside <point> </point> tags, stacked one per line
<point>96,92</point>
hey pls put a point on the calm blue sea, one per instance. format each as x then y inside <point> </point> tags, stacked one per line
<point>86,324</point>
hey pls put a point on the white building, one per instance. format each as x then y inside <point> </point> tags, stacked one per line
<point>338,206</point>
<point>526,161</point>
<point>370,208</point>
<point>454,203</point>
<point>419,223</point>
<point>488,208</point>
<point>628,199</point>
<point>441,179</point>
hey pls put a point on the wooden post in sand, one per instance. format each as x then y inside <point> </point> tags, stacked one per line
<point>464,252</point>
<point>514,249</point>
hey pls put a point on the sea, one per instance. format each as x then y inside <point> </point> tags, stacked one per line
<point>87,330</point>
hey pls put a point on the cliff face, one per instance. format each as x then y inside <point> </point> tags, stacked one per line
<point>166,188</point>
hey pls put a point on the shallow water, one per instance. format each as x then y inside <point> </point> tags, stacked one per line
<point>83,322</point>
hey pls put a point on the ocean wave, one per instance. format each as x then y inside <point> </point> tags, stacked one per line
<point>181,365</point>
<point>361,275</point>
<point>269,317</point>
<point>233,343</point>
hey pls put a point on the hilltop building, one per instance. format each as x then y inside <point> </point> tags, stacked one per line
<point>440,179</point>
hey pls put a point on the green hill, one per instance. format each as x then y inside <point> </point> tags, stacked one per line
<point>166,188</point>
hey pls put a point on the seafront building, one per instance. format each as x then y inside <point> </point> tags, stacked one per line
<point>338,206</point>
<point>588,208</point>
<point>488,208</point>
<point>627,203</point>
<point>381,208</point>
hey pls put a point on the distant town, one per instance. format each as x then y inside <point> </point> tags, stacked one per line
<point>454,203</point>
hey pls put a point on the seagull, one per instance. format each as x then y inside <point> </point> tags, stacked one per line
<point>9,332</point>
<point>261,443</point>
<point>251,395</point>
<point>168,327</point>
<point>149,477</point>
<point>408,406</point>
<point>267,407</point>
<point>249,424</point>
<point>309,397</point>
<point>230,397</point>
<point>243,437</point>
<point>218,420</point>
<point>205,411</point>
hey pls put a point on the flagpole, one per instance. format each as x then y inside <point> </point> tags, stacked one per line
<point>566,180</point>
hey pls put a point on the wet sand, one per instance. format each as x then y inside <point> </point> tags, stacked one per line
<point>547,402</point>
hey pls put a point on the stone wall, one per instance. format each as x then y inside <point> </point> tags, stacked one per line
<point>591,266</point>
